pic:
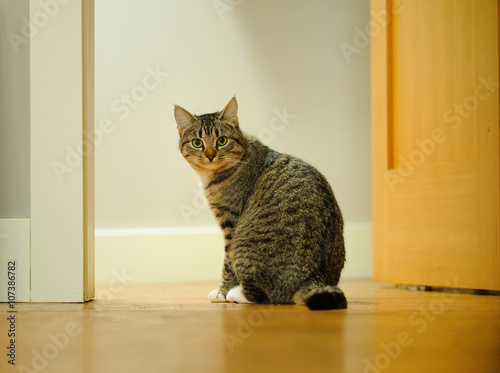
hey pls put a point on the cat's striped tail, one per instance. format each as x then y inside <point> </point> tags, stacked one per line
<point>321,298</point>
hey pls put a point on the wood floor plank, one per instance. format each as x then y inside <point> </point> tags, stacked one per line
<point>173,328</point>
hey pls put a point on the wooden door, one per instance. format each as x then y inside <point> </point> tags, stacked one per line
<point>435,142</point>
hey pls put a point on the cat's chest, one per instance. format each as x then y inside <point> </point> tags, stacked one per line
<point>204,178</point>
<point>213,193</point>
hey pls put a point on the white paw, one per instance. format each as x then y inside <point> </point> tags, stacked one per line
<point>235,295</point>
<point>216,297</point>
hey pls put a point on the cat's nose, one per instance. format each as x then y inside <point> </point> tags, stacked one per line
<point>210,153</point>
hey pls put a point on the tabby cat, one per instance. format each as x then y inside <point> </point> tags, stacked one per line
<point>282,226</point>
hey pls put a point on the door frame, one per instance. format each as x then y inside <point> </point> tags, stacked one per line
<point>54,247</point>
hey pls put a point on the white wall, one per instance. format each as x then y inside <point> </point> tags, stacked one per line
<point>275,56</point>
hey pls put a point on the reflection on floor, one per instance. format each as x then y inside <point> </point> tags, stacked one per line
<point>172,328</point>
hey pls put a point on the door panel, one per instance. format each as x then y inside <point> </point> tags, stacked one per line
<point>61,150</point>
<point>435,113</point>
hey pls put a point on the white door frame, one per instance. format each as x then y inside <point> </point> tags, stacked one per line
<point>54,248</point>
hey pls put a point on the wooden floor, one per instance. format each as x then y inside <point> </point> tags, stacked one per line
<point>172,328</point>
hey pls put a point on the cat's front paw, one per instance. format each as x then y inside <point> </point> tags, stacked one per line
<point>216,296</point>
<point>235,295</point>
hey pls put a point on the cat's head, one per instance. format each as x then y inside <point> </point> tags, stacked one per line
<point>211,142</point>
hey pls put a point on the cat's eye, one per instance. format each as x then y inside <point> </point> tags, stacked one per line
<point>197,143</point>
<point>221,141</point>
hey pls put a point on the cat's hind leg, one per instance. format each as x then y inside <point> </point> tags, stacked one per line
<point>247,293</point>
<point>235,295</point>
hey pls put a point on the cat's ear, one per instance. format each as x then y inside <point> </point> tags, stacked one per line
<point>230,112</point>
<point>183,118</point>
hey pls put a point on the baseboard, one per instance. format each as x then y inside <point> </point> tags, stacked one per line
<point>358,246</point>
<point>194,254</point>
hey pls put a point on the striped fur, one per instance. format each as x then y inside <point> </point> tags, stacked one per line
<point>282,226</point>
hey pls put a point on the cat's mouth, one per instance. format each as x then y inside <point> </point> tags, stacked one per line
<point>207,165</point>
<point>216,165</point>
<point>211,165</point>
